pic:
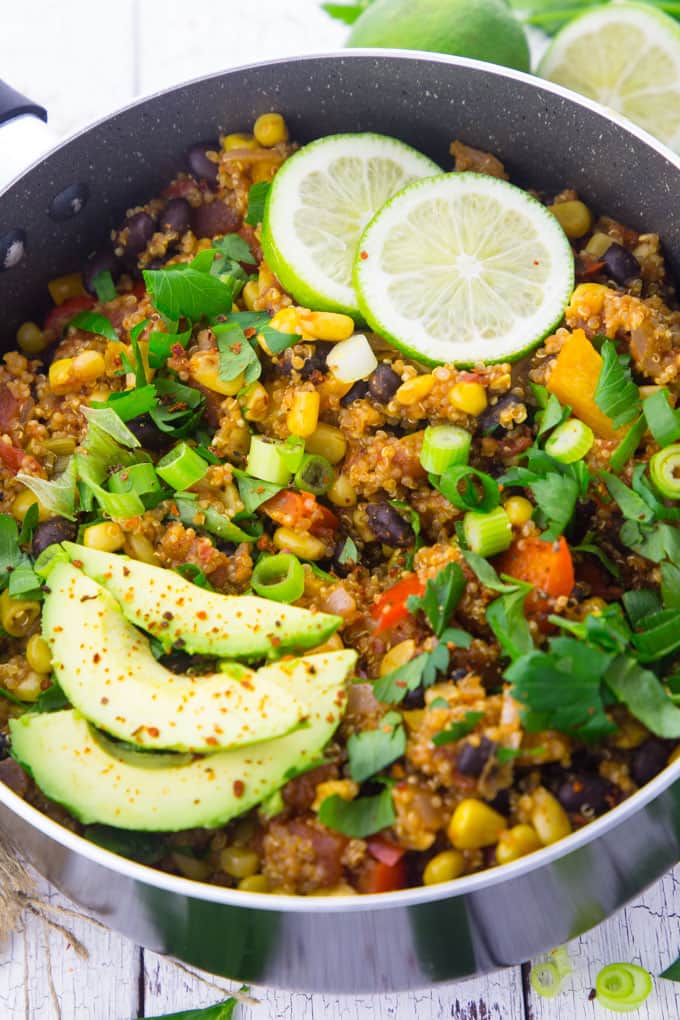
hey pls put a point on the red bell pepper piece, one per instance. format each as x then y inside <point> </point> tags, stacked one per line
<point>391,607</point>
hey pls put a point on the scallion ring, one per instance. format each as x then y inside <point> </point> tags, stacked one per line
<point>444,445</point>
<point>139,478</point>
<point>181,468</point>
<point>292,452</point>
<point>280,578</point>
<point>265,461</point>
<point>480,492</point>
<point>664,470</point>
<point>570,441</point>
<point>545,979</point>
<point>487,534</point>
<point>315,474</point>
<point>622,987</point>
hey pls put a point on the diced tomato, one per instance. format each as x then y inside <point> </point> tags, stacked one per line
<point>391,607</point>
<point>63,313</point>
<point>377,877</point>
<point>139,290</point>
<point>14,458</point>
<point>546,565</point>
<point>324,521</point>
<point>384,851</point>
<point>290,509</point>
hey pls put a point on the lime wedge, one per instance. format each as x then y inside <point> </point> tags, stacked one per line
<point>320,201</point>
<point>627,56</point>
<point>463,268</point>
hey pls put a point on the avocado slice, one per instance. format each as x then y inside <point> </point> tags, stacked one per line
<point>178,612</point>
<point>97,781</point>
<point>107,671</point>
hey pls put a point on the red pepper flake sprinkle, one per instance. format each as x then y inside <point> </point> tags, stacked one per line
<point>239,788</point>
<point>363,255</point>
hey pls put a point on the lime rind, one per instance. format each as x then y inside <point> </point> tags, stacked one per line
<point>320,201</point>
<point>463,268</point>
<point>633,64</point>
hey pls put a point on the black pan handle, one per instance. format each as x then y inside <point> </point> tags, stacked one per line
<point>13,104</point>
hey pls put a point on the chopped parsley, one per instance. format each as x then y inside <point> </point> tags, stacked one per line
<point>104,287</point>
<point>506,618</point>
<point>616,394</point>
<point>237,354</point>
<point>358,818</point>
<point>11,556</point>
<point>257,196</point>
<point>187,291</point>
<point>457,729</point>
<point>94,322</point>
<point>372,750</point>
<point>442,595</point>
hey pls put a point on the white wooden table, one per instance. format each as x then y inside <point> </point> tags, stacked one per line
<point>82,59</point>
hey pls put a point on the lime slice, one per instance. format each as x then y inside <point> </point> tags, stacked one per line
<point>320,201</point>
<point>627,56</point>
<point>464,268</point>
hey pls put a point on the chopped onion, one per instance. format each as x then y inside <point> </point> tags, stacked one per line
<point>352,359</point>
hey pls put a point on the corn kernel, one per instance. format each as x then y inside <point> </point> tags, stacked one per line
<point>254,883</point>
<point>517,842</point>
<point>61,376</point>
<point>345,788</point>
<point>270,129</point>
<point>519,510</point>
<point>444,867</point>
<point>25,500</point>
<point>30,338</point>
<point>342,492</point>
<point>331,390</point>
<point>38,654</point>
<point>100,395</point>
<point>630,734</point>
<point>64,287</point>
<point>468,397</point>
<point>397,656</point>
<point>88,366</point>
<point>140,548</point>
<point>548,817</point>
<point>414,389</point>
<point>250,294</point>
<point>191,867</point>
<point>327,325</point>
<point>239,862</point>
<point>574,217</point>
<point>587,299</point>
<point>303,417</point>
<point>300,543</point>
<point>474,824</point>
<point>598,245</point>
<point>204,368</point>
<point>238,140</point>
<point>327,441</point>
<point>264,170</point>
<point>106,537</point>
<point>255,402</point>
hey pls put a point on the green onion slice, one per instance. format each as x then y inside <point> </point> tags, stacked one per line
<point>182,467</point>
<point>545,979</point>
<point>292,452</point>
<point>139,478</point>
<point>628,445</point>
<point>570,441</point>
<point>315,474</point>
<point>622,987</point>
<point>480,493</point>
<point>663,421</point>
<point>266,462</point>
<point>664,470</point>
<point>444,445</point>
<point>487,534</point>
<point>280,578</point>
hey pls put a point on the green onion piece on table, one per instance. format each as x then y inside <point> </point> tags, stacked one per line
<point>280,578</point>
<point>570,441</point>
<point>622,987</point>
<point>664,470</point>
<point>545,979</point>
<point>480,492</point>
<point>182,467</point>
<point>315,474</point>
<point>266,462</point>
<point>139,478</point>
<point>487,534</point>
<point>443,446</point>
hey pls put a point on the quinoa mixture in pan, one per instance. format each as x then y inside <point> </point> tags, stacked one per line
<point>499,542</point>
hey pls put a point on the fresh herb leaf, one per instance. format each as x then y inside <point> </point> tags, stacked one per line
<point>554,414</point>
<point>555,496</point>
<point>413,519</point>
<point>220,1011</point>
<point>628,445</point>
<point>257,197</point>
<point>663,421</point>
<point>485,573</point>
<point>349,554</point>
<point>233,246</point>
<point>639,603</point>
<point>237,356</point>
<point>657,635</point>
<point>457,729</point>
<point>180,407</point>
<point>51,700</point>
<point>29,524</point>
<point>506,618</point>
<point>192,572</point>
<point>644,695</point>
<point>631,505</point>
<point>24,583</point>
<point>187,292</point>
<point>442,595</point>
<point>654,542</point>
<point>161,345</point>
<point>437,662</point>
<point>616,394</point>
<point>372,750</point>
<point>11,556</point>
<point>347,13</point>
<point>393,687</point>
<point>277,341</point>
<point>211,520</point>
<point>140,367</point>
<point>104,287</point>
<point>358,818</point>
<point>594,550</point>
<point>672,973</point>
<point>58,495</point>
<point>670,585</point>
<point>130,403</point>
<point>253,491</point>
<point>94,322</point>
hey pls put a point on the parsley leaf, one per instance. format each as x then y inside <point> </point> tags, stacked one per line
<point>506,618</point>
<point>631,505</point>
<point>220,1011</point>
<point>275,340</point>
<point>663,421</point>
<point>485,573</point>
<point>93,322</point>
<point>188,292</point>
<point>358,818</point>
<point>393,687</point>
<point>457,729</point>
<point>29,524</point>
<point>554,414</point>
<point>11,556</point>
<point>672,973</point>
<point>372,750</point>
<point>644,695</point>
<point>657,635</point>
<point>348,554</point>
<point>104,287</point>
<point>442,595</point>
<point>616,394</point>
<point>130,403</point>
<point>670,585</point>
<point>233,246</point>
<point>257,197</point>
<point>24,583</point>
<point>237,356</point>
<point>253,491</point>
<point>180,408</point>
<point>655,542</point>
<point>161,344</point>
<point>555,496</point>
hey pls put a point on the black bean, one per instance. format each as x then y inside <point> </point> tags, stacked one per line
<point>501,802</point>
<point>148,433</point>
<point>358,391</point>
<point>458,674</point>
<point>105,261</point>
<point>4,746</point>
<point>176,216</point>
<point>214,218</point>
<point>56,529</point>
<point>316,362</point>
<point>384,383</point>
<point>473,757</point>
<point>140,228</point>
<point>490,421</point>
<point>198,162</point>
<point>414,699</point>
<point>177,661</point>
<point>648,759</point>
<point>620,264</point>
<point>585,794</point>
<point>388,526</point>
<point>581,521</point>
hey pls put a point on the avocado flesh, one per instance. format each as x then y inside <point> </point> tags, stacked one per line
<point>77,767</point>
<point>107,671</point>
<point>180,613</point>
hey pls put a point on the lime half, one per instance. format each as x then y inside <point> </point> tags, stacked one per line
<point>627,56</point>
<point>464,268</point>
<point>319,203</point>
